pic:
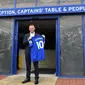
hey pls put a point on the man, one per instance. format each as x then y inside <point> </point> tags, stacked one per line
<point>27,37</point>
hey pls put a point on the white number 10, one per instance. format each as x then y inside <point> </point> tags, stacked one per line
<point>40,44</point>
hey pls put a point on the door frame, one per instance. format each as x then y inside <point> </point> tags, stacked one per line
<point>15,40</point>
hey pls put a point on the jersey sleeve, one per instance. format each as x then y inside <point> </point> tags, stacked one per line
<point>43,36</point>
<point>44,40</point>
<point>30,43</point>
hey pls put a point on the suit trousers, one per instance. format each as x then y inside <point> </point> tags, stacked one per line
<point>28,66</point>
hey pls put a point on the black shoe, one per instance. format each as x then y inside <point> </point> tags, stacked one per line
<point>36,81</point>
<point>26,80</point>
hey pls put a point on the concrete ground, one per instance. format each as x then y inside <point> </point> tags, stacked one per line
<point>17,79</point>
<point>44,80</point>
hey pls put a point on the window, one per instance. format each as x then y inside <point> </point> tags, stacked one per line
<point>26,3</point>
<point>6,3</point>
<point>71,44</point>
<point>66,2</point>
<point>5,45</point>
<point>47,2</point>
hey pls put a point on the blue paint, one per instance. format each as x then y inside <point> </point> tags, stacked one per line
<point>23,18</point>
<point>57,42</point>
<point>82,1</point>
<point>43,10</point>
<point>13,51</point>
<point>8,74</point>
<point>38,17</point>
<point>16,31</point>
<point>59,2</point>
<point>36,2</point>
<point>14,48</point>
<point>15,2</point>
<point>58,46</point>
<point>83,34</point>
<point>48,17</point>
<point>71,76</point>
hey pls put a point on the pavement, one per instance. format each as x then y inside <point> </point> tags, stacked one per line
<point>70,81</point>
<point>44,80</point>
<point>16,80</point>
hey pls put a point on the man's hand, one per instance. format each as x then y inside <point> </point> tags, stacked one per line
<point>43,36</point>
<point>29,38</point>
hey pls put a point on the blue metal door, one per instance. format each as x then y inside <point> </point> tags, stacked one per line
<point>15,45</point>
<point>15,50</point>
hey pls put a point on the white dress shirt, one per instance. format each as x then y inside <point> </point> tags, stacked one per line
<point>32,34</point>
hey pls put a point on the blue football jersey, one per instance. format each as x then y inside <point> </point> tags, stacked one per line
<point>37,48</point>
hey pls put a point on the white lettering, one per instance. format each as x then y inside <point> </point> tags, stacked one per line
<point>40,10</point>
<point>18,11</point>
<point>40,44</point>
<point>64,9</point>
<point>7,12</point>
<point>31,11</point>
<point>53,9</point>
<point>28,10</point>
<point>76,8</point>
<point>49,10</point>
<point>22,11</point>
<point>46,9</point>
<point>36,10</point>
<point>60,9</point>
<point>1,12</point>
<point>25,10</point>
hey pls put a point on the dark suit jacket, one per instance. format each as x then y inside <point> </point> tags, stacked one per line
<point>26,43</point>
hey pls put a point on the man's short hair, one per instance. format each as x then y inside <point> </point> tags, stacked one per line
<point>32,25</point>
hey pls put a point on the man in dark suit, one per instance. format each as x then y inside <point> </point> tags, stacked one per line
<point>27,37</point>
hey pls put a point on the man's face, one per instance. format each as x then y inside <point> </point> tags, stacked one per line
<point>31,28</point>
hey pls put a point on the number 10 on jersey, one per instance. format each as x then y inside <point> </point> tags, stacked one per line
<point>40,44</point>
